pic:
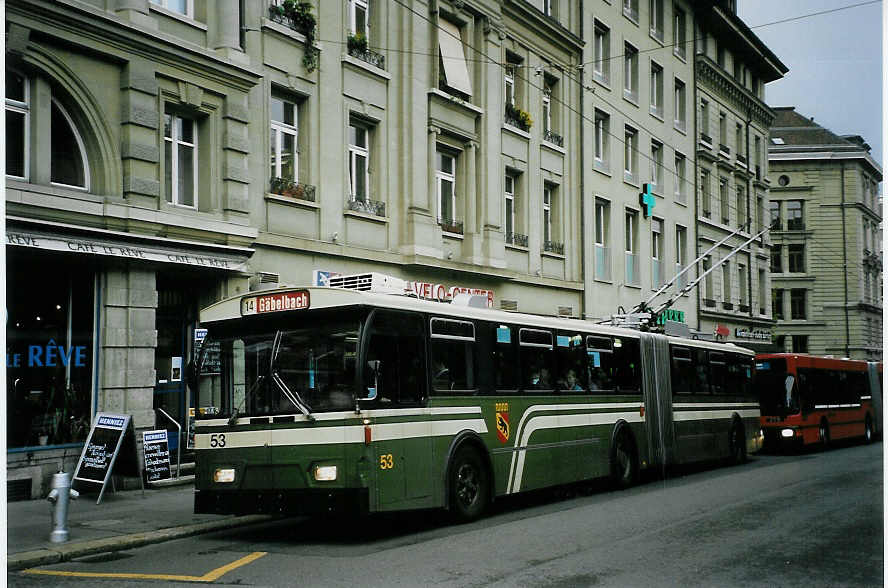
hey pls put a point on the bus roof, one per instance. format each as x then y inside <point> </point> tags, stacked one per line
<point>807,360</point>
<point>319,298</point>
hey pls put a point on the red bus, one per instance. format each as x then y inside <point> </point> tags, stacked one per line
<point>807,400</point>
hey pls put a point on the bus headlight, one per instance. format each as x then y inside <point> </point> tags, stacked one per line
<point>787,433</point>
<point>223,476</point>
<point>325,473</point>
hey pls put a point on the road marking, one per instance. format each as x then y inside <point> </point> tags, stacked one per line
<point>210,576</point>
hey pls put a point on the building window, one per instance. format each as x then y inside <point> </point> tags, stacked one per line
<point>509,83</point>
<point>185,7</point>
<point>776,259</point>
<point>656,253</point>
<point>762,291</point>
<point>723,133</point>
<point>704,122</point>
<point>720,56</point>
<point>742,220</point>
<point>68,162</point>
<point>795,220</point>
<point>777,304</point>
<point>359,18</point>
<point>547,7</point>
<point>180,160</point>
<point>601,47</point>
<point>678,32</point>
<point>550,115</point>
<point>796,258</point>
<point>630,10</point>
<point>359,162</point>
<point>453,65</point>
<point>630,73</point>
<point>738,143</point>
<point>17,124</point>
<point>681,255</point>
<point>680,188</point>
<point>629,154</point>
<point>797,304</point>
<point>657,19</point>
<point>547,108</point>
<point>680,119</point>
<point>726,281</point>
<point>707,280</point>
<point>510,206</point>
<point>723,199</point>
<point>549,205</point>
<point>602,227</point>
<point>800,343</point>
<point>774,212</point>
<point>284,139</point>
<point>631,242</point>
<point>602,131</point>
<point>657,166</point>
<point>656,90</point>
<point>741,283</point>
<point>705,194</point>
<point>759,213</point>
<point>759,168</point>
<point>445,178</point>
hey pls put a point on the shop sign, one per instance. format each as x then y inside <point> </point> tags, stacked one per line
<point>114,249</point>
<point>722,331</point>
<point>442,293</point>
<point>754,334</point>
<point>670,314</point>
<point>298,300</point>
<point>49,355</point>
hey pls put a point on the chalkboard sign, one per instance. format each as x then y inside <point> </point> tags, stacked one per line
<point>155,446</point>
<point>212,359</point>
<point>111,436</point>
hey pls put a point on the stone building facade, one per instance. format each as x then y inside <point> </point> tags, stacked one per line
<point>826,244</point>
<point>164,154</point>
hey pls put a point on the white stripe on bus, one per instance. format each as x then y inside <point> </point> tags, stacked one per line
<point>345,434</point>
<point>698,415</point>
<point>826,406</point>
<point>349,414</point>
<point>713,404</point>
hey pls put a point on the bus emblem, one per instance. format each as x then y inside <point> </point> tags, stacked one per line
<point>502,421</point>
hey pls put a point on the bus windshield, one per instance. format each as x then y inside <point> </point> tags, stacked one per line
<point>778,392</point>
<point>306,368</point>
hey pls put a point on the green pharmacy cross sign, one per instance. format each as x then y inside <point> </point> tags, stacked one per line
<point>647,200</point>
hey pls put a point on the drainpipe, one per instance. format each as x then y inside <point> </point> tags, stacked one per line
<point>845,264</point>
<point>749,214</point>
<point>694,234</point>
<point>582,72</point>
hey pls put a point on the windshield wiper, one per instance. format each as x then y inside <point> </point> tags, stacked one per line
<point>276,378</point>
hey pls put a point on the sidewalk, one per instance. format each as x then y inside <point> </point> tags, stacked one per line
<point>123,520</point>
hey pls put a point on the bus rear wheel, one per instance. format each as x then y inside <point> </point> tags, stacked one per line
<point>623,460</point>
<point>868,430</point>
<point>824,434</point>
<point>469,485</point>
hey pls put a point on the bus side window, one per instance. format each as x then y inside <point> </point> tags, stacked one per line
<point>453,356</point>
<point>627,365</point>
<point>505,358</point>
<point>701,369</point>
<point>718,372</point>
<point>682,371</point>
<point>600,363</point>
<point>397,341</point>
<point>571,362</point>
<point>537,361</point>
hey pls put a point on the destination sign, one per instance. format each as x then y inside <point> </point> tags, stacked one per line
<point>297,300</point>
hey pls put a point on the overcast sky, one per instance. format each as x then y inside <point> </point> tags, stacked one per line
<point>834,61</point>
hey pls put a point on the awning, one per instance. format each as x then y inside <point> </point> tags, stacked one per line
<point>89,241</point>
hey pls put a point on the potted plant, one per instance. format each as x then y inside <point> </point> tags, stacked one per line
<point>357,43</point>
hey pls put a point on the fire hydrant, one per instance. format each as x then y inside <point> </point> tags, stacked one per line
<point>59,496</point>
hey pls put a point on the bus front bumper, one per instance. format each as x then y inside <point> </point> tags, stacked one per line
<point>353,501</point>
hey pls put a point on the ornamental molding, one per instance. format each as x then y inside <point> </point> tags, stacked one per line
<point>712,76</point>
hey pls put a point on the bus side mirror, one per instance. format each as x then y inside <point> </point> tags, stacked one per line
<point>373,368</point>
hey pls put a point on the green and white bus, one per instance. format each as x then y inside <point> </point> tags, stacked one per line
<point>316,400</point>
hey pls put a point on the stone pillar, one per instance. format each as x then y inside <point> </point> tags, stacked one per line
<point>226,32</point>
<point>139,119</point>
<point>474,239</point>
<point>422,228</point>
<point>128,339</point>
<point>41,133</point>
<point>135,11</point>
<point>235,152</point>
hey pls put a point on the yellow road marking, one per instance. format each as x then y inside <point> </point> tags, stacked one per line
<point>210,576</point>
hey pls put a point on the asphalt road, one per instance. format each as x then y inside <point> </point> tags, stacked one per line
<point>780,520</point>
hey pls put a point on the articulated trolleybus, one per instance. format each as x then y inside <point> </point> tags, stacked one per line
<point>329,399</point>
<point>809,400</point>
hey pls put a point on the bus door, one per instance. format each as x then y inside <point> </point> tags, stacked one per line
<point>657,399</point>
<point>395,378</point>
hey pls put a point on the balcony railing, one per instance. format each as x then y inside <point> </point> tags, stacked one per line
<point>553,247</point>
<point>277,14</point>
<point>602,262</point>
<point>741,159</point>
<point>367,206</point>
<point>554,138</point>
<point>704,138</point>
<point>516,239</point>
<point>722,148</point>
<point>292,189</point>
<point>371,57</point>
<point>727,305</point>
<point>656,273</point>
<point>709,303</point>
<point>744,308</point>
<point>449,225</point>
<point>632,273</point>
<point>516,117</point>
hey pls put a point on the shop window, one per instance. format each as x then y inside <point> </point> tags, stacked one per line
<point>49,356</point>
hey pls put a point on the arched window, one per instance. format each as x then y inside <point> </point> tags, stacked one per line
<point>69,166</point>
<point>17,125</point>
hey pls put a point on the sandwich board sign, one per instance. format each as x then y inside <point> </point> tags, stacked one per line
<point>155,446</point>
<point>109,448</point>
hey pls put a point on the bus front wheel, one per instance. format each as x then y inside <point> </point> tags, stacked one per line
<point>469,485</point>
<point>623,460</point>
<point>868,430</point>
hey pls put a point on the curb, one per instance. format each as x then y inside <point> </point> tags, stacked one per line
<point>66,552</point>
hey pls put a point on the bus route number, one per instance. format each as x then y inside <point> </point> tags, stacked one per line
<point>217,440</point>
<point>386,462</point>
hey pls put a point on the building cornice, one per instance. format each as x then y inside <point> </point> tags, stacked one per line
<point>778,154</point>
<point>711,75</point>
<point>548,27</point>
